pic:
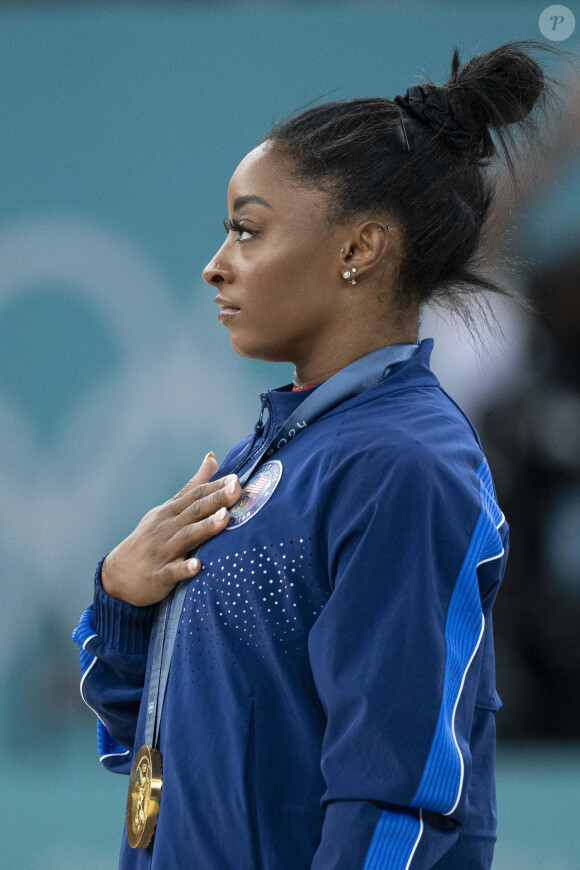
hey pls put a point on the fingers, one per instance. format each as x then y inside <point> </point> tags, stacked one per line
<point>209,498</point>
<point>148,564</point>
<point>201,500</point>
<point>196,513</point>
<point>192,535</point>
<point>204,474</point>
<point>190,538</point>
<point>181,569</point>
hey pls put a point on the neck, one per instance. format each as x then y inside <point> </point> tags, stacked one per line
<point>325,363</point>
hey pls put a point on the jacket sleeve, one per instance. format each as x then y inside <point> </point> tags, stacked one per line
<point>113,640</point>
<point>394,654</point>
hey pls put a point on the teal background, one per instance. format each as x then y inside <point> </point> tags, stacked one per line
<point>120,127</point>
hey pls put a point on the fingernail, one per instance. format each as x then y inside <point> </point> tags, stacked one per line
<point>193,565</point>
<point>207,456</point>
<point>219,515</point>
<point>230,484</point>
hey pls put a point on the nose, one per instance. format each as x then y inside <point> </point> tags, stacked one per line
<point>217,271</point>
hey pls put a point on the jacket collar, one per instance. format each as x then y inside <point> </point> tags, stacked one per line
<point>414,372</point>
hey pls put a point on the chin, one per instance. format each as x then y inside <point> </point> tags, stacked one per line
<point>258,351</point>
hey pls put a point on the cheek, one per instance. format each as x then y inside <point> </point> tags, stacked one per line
<point>275,280</point>
<point>288,278</point>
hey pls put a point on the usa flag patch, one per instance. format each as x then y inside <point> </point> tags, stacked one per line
<point>256,492</point>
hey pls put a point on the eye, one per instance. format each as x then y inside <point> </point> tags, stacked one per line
<point>234,226</point>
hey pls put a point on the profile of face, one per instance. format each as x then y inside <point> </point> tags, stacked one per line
<point>280,264</point>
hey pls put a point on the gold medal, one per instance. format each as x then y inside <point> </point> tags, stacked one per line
<point>144,796</point>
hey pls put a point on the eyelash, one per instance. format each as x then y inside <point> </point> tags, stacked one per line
<point>234,226</point>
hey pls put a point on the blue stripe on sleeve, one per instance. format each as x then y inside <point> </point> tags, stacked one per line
<point>106,745</point>
<point>84,632</point>
<point>394,842</point>
<point>442,780</point>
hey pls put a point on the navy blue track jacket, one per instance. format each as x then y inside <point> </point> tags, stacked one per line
<point>331,698</point>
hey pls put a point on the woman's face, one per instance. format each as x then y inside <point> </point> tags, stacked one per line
<point>279,267</point>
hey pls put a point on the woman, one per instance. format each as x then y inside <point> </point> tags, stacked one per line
<point>331,697</point>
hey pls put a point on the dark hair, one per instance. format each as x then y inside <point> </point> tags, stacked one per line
<point>355,152</point>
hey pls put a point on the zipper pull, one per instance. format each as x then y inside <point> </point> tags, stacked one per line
<point>260,424</point>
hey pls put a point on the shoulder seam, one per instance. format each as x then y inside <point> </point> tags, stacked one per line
<point>464,415</point>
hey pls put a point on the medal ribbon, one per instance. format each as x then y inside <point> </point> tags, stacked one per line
<point>348,382</point>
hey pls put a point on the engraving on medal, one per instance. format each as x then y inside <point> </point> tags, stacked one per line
<point>140,796</point>
<point>143,798</point>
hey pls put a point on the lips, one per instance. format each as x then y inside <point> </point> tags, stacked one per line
<point>225,304</point>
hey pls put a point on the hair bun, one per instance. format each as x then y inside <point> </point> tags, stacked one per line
<point>495,89</point>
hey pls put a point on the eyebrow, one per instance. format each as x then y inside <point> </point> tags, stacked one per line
<point>248,198</point>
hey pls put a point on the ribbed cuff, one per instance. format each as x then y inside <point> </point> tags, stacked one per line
<point>120,625</point>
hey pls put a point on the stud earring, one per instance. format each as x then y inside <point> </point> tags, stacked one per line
<point>347,275</point>
<point>342,250</point>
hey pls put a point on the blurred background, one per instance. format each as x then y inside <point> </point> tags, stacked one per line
<point>121,124</point>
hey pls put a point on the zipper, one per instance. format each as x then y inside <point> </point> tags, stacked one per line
<point>260,424</point>
<point>250,771</point>
<point>259,430</point>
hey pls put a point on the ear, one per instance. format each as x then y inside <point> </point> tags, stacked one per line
<point>367,247</point>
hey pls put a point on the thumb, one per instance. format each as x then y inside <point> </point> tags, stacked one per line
<point>204,474</point>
